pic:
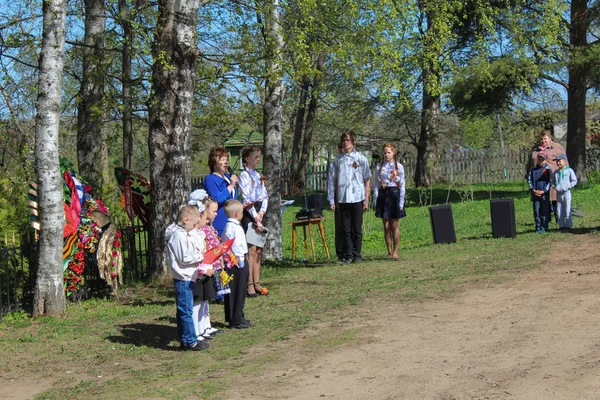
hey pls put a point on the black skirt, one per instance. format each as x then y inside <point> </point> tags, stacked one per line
<point>388,204</point>
<point>247,218</point>
<point>205,289</point>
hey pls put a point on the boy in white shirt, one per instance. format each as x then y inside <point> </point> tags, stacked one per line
<point>233,229</point>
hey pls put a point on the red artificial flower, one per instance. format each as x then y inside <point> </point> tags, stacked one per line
<point>72,288</point>
<point>113,263</point>
<point>115,253</point>
<point>113,274</point>
<point>77,268</point>
<point>80,245</point>
<point>80,255</point>
<point>116,243</point>
<point>118,234</point>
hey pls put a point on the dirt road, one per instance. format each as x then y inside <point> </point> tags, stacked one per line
<point>534,338</point>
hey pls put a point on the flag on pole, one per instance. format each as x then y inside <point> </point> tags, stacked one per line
<point>214,253</point>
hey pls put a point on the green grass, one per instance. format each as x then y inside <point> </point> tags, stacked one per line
<point>127,349</point>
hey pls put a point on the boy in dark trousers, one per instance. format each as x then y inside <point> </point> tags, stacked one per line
<point>539,187</point>
<point>233,229</point>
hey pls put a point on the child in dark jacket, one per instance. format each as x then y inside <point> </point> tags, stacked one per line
<point>539,186</point>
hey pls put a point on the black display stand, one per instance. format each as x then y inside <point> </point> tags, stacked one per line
<point>442,224</point>
<point>503,218</point>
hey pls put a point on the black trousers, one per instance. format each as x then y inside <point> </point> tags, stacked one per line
<point>237,298</point>
<point>340,238</point>
<point>352,220</point>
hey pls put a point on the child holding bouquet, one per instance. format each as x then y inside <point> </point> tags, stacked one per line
<point>213,240</point>
<point>233,230</point>
<point>204,290</point>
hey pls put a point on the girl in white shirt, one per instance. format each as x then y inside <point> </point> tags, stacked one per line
<point>388,196</point>
<point>255,200</point>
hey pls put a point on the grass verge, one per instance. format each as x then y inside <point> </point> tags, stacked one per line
<point>127,348</point>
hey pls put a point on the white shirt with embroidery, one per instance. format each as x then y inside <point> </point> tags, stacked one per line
<point>391,176</point>
<point>347,177</point>
<point>182,256</point>
<point>253,189</point>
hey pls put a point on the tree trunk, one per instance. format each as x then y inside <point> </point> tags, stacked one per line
<point>126,24</point>
<point>173,81</point>
<point>577,90</point>
<point>430,112</point>
<point>310,121</point>
<point>272,116</point>
<point>92,145</point>
<point>49,298</point>
<point>429,125</point>
<point>298,178</point>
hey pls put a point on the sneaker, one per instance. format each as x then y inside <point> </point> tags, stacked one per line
<point>239,326</point>
<point>213,331</point>
<point>357,259</point>
<point>198,346</point>
<point>576,212</point>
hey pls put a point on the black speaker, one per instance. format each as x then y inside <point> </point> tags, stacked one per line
<point>315,202</point>
<point>442,224</point>
<point>503,218</point>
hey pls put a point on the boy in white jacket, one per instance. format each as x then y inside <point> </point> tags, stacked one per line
<point>183,259</point>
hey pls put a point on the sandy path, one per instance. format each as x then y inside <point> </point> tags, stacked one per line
<point>536,338</point>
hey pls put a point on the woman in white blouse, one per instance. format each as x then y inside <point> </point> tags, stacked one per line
<point>255,199</point>
<point>388,196</point>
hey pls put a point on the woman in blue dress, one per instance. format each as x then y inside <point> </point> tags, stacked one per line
<point>219,184</point>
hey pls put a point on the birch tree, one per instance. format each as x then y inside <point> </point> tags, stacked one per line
<point>173,78</point>
<point>49,295</point>
<point>272,120</point>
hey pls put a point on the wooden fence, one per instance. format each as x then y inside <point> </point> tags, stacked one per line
<point>483,166</point>
<point>466,166</point>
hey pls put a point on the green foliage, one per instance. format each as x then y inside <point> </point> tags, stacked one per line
<point>594,177</point>
<point>492,88</point>
<point>592,158</point>
<point>18,319</point>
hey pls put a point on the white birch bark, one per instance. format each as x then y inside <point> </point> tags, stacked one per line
<point>272,119</point>
<point>49,298</point>
<point>173,80</point>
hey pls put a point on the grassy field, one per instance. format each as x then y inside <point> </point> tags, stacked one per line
<point>127,348</point>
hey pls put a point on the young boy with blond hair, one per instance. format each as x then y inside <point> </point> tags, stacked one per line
<point>233,229</point>
<point>183,262</point>
<point>563,180</point>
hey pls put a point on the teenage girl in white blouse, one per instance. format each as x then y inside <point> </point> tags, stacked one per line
<point>255,199</point>
<point>388,196</point>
